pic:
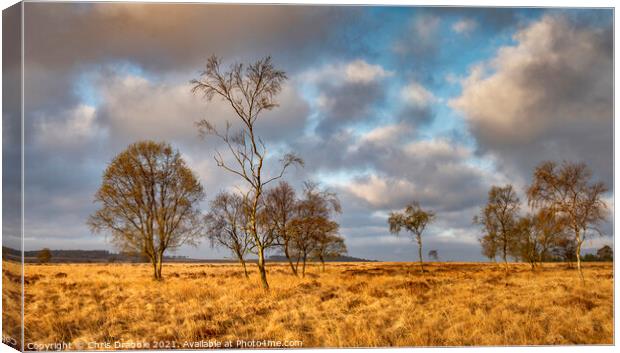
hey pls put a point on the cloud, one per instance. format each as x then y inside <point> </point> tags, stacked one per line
<point>549,96</point>
<point>357,71</point>
<point>347,93</point>
<point>134,107</point>
<point>157,36</point>
<point>361,72</point>
<point>417,96</point>
<point>387,134</point>
<point>78,127</point>
<point>464,26</point>
<point>382,191</point>
<point>421,38</point>
<point>437,173</point>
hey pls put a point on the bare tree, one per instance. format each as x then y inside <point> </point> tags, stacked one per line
<point>312,222</point>
<point>566,190</point>
<point>280,203</point>
<point>227,225</point>
<point>499,220</point>
<point>249,91</point>
<point>303,239</point>
<point>414,220</point>
<point>149,200</point>
<point>328,243</point>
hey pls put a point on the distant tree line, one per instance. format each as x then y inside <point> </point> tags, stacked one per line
<point>565,207</point>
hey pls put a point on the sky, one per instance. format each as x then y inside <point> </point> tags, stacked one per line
<point>386,105</point>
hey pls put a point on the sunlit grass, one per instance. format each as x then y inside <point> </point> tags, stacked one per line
<point>350,305</point>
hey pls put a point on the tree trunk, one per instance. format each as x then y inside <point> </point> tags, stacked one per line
<point>154,263</point>
<point>290,262</point>
<point>419,239</point>
<point>578,254</point>
<point>322,263</point>
<point>239,255</point>
<point>245,269</point>
<point>261,267</point>
<point>303,269</point>
<point>159,271</point>
<point>505,257</point>
<point>160,261</point>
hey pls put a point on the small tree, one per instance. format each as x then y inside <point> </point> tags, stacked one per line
<point>312,222</point>
<point>414,220</point>
<point>433,255</point>
<point>148,202</point>
<point>249,90</point>
<point>499,220</point>
<point>567,191</point>
<point>329,244</point>
<point>303,240</point>
<point>550,229</point>
<point>566,249</point>
<point>44,256</point>
<point>606,253</point>
<point>526,243</point>
<point>227,225</point>
<point>536,237</point>
<point>489,244</point>
<point>280,203</point>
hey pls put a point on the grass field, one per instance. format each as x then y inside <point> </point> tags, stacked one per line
<point>99,306</point>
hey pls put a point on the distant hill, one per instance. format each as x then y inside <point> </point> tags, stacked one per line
<point>80,256</point>
<point>98,256</point>
<point>279,258</point>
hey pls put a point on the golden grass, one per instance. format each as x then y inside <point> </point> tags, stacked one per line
<point>350,305</point>
<point>11,303</point>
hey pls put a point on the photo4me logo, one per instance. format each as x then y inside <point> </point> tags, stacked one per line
<point>269,343</point>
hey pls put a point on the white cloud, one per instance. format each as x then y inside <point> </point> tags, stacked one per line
<point>435,172</point>
<point>380,191</point>
<point>76,126</point>
<point>354,72</point>
<point>416,95</point>
<point>387,134</point>
<point>360,71</point>
<point>464,26</point>
<point>438,148</point>
<point>137,108</point>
